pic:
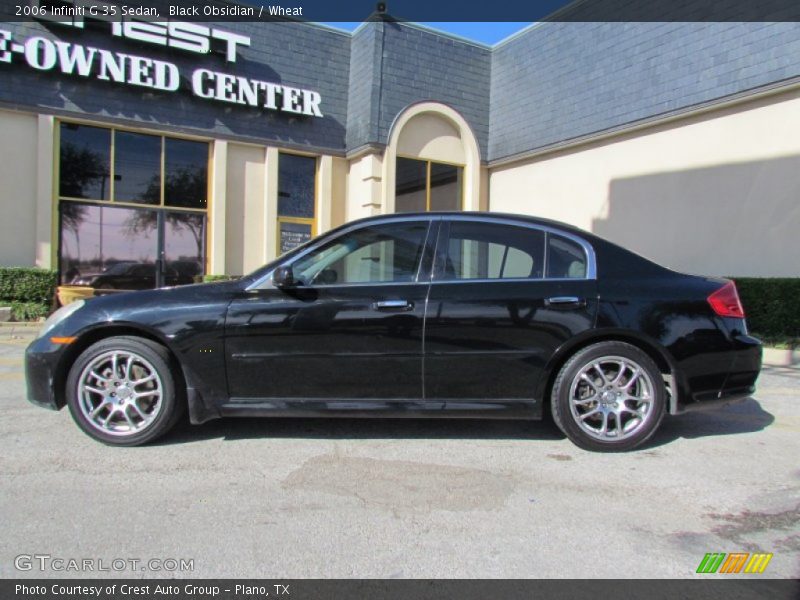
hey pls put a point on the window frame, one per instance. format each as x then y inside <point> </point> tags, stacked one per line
<point>443,244</point>
<point>57,198</point>
<point>428,163</point>
<point>312,221</point>
<point>111,201</point>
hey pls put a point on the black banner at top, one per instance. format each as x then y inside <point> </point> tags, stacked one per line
<point>409,10</point>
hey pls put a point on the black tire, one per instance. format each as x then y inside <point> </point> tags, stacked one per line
<point>172,404</point>
<point>574,418</point>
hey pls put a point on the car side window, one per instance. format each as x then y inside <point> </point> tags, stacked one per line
<point>492,251</point>
<point>377,254</point>
<point>566,259</point>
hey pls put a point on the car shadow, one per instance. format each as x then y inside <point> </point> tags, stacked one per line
<point>357,428</point>
<point>744,417</point>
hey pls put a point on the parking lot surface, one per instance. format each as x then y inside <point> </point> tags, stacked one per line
<point>402,498</point>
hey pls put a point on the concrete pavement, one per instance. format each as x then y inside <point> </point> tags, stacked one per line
<point>400,498</point>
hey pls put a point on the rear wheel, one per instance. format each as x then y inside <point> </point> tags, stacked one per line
<point>121,391</point>
<point>609,397</point>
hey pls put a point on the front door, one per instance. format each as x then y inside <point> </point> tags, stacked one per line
<point>350,328</point>
<point>503,299</point>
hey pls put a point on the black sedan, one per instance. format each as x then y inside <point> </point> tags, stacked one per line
<point>416,315</point>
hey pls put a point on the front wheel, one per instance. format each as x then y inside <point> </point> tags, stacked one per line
<point>121,391</point>
<point>609,397</point>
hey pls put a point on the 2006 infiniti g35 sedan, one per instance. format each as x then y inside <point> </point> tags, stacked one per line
<point>414,315</point>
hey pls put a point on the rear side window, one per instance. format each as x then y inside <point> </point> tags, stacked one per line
<point>566,259</point>
<point>493,251</point>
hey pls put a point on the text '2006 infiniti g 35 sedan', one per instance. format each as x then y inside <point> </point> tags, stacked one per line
<point>414,315</point>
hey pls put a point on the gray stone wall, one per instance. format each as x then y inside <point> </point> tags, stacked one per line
<point>420,65</point>
<point>559,81</point>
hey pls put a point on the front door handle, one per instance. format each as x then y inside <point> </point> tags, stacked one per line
<point>564,302</point>
<point>393,305</point>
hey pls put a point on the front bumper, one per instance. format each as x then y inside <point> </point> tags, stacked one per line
<point>41,362</point>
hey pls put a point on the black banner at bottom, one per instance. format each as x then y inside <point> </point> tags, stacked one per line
<point>393,589</point>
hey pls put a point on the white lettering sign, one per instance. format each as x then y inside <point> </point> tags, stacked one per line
<point>191,37</point>
<point>68,58</point>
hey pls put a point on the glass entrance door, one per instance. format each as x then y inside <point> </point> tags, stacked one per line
<point>116,248</point>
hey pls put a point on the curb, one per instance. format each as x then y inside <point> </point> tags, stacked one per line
<point>13,331</point>
<point>780,357</point>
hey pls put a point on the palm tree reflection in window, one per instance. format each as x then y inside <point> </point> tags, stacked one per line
<point>83,173</point>
<point>72,217</point>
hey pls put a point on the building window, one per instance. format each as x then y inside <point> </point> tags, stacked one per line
<point>85,160</point>
<point>105,241</point>
<point>297,192</point>
<point>185,173</point>
<point>137,168</point>
<point>424,185</point>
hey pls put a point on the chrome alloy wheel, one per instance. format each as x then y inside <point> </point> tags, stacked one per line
<point>611,398</point>
<point>120,393</point>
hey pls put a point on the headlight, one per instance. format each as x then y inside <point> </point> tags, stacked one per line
<point>61,314</point>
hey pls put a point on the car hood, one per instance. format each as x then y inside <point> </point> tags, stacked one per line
<point>87,277</point>
<point>197,292</point>
<point>166,310</point>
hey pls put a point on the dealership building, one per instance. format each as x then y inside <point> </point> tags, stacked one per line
<point>214,147</point>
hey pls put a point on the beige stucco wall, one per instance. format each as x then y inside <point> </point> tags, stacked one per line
<point>18,159</point>
<point>331,189</point>
<point>429,136</point>
<point>250,199</point>
<point>339,176</point>
<point>364,189</point>
<point>245,209</point>
<point>715,193</point>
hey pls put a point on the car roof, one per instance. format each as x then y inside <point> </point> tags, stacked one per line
<point>483,215</point>
<point>599,244</point>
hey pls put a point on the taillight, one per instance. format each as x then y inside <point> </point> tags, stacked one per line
<point>725,302</point>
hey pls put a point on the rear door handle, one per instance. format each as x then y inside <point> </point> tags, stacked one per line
<point>393,305</point>
<point>564,302</point>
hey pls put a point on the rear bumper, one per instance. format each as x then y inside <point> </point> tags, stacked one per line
<point>712,404</point>
<point>739,383</point>
<point>747,356</point>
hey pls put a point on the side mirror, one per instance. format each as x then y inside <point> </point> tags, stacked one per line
<point>283,277</point>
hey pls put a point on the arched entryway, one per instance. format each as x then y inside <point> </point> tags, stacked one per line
<point>431,162</point>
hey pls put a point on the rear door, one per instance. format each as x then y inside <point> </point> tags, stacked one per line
<point>504,296</point>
